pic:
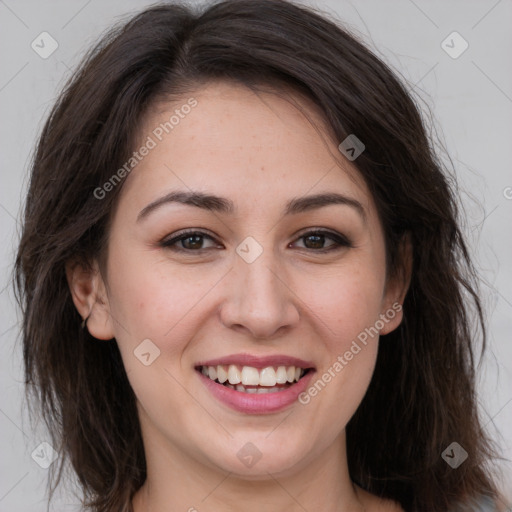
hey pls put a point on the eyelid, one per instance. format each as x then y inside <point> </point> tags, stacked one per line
<point>339,239</point>
<point>322,231</point>
<point>171,240</point>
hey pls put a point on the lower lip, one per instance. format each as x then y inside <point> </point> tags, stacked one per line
<point>253,403</point>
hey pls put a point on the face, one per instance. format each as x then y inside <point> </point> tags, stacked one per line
<point>274,282</point>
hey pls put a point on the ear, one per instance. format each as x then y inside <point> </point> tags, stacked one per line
<point>89,295</point>
<point>396,288</point>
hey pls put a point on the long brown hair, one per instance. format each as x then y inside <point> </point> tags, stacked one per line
<point>422,396</point>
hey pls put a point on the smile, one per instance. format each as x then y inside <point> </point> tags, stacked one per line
<point>256,385</point>
<point>248,379</point>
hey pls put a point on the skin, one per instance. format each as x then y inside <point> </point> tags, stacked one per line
<point>259,151</point>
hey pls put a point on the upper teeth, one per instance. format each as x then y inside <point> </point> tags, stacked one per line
<point>250,376</point>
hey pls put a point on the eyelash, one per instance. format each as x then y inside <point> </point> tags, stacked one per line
<point>340,241</point>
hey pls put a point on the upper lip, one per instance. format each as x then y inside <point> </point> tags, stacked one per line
<point>258,361</point>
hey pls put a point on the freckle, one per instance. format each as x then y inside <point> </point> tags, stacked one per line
<point>262,167</point>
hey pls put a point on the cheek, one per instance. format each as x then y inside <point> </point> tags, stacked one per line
<point>157,300</point>
<point>150,294</point>
<point>153,302</point>
<point>346,305</point>
<point>346,302</point>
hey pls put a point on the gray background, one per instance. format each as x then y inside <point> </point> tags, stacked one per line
<point>470,98</point>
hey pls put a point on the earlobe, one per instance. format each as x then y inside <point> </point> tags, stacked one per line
<point>397,287</point>
<point>391,318</point>
<point>89,295</point>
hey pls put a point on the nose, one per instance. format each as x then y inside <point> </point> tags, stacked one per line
<point>260,301</point>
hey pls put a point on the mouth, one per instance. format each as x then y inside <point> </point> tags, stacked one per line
<point>249,379</point>
<point>256,385</point>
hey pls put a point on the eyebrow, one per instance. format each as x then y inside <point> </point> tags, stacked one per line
<point>226,206</point>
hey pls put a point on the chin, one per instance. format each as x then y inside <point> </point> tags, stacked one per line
<point>253,457</point>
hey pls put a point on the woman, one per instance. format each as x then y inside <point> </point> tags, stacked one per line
<point>242,276</point>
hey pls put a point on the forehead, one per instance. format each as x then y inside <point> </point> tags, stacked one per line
<point>252,146</point>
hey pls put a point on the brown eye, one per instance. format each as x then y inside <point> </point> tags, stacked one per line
<point>193,241</point>
<point>315,240</point>
<point>189,241</point>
